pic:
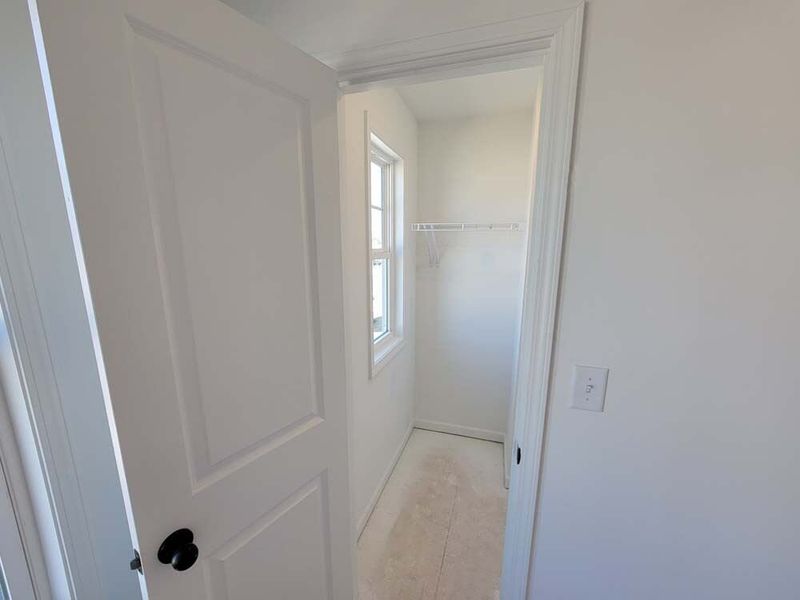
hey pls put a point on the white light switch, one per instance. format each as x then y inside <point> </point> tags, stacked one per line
<point>589,388</point>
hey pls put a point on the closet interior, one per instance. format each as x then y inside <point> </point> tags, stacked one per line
<point>437,185</point>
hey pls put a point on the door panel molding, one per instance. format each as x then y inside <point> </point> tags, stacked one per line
<point>307,503</point>
<point>209,461</point>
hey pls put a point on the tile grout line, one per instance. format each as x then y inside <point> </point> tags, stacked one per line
<point>446,541</point>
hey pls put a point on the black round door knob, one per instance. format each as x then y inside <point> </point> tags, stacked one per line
<point>178,550</point>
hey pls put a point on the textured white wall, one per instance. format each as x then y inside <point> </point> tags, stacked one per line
<point>471,170</point>
<point>381,408</point>
<point>682,274</point>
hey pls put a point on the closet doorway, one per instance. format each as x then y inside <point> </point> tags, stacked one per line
<point>437,187</point>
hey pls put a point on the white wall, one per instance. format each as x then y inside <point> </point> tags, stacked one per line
<point>381,408</point>
<point>475,169</point>
<point>681,274</point>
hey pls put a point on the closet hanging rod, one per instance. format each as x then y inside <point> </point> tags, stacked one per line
<point>466,226</point>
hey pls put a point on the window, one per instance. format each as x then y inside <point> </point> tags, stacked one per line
<point>384,273</point>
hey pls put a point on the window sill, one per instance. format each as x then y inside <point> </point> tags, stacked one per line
<point>383,355</point>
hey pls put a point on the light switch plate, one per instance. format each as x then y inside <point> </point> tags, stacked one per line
<point>589,388</point>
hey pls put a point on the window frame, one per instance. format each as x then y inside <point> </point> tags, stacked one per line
<point>386,251</point>
<point>385,346</point>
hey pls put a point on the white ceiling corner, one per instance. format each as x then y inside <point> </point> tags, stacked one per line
<point>476,95</point>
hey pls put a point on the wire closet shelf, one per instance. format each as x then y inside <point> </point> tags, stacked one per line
<point>466,226</point>
<point>430,230</point>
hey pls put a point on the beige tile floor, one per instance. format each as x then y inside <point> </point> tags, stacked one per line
<point>437,530</point>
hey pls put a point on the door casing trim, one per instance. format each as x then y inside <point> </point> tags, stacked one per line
<point>553,40</point>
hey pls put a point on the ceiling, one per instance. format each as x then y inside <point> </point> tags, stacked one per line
<point>327,27</point>
<point>473,96</point>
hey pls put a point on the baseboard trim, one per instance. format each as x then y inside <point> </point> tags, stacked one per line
<point>473,432</point>
<point>373,501</point>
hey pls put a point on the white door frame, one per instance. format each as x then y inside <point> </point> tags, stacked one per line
<point>554,40</point>
<point>42,298</point>
<point>36,438</point>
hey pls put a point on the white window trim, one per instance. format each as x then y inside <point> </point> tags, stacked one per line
<point>382,350</point>
<point>387,252</point>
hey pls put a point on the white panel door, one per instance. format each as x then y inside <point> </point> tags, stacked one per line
<point>201,157</point>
